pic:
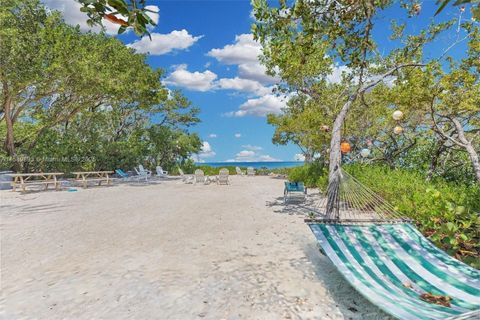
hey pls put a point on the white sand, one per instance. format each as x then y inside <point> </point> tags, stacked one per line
<point>167,250</point>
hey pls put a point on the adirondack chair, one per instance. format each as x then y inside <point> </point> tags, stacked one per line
<point>160,172</point>
<point>223,176</point>
<point>187,178</point>
<point>200,177</point>
<point>239,171</point>
<point>143,173</point>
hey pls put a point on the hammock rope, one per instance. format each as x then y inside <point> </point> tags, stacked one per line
<point>352,201</point>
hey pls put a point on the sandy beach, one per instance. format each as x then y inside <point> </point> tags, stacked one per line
<point>168,250</point>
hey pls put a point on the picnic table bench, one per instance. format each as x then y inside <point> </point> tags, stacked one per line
<point>23,180</point>
<point>84,177</point>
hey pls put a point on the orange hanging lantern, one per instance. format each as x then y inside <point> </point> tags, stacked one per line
<point>345,147</point>
<point>398,130</point>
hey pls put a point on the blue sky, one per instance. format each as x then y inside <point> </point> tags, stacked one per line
<point>207,51</point>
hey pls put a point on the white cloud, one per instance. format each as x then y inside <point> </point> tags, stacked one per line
<point>252,156</point>
<point>256,71</point>
<point>196,81</point>
<point>245,154</point>
<point>154,16</point>
<point>244,53</point>
<point>238,135</point>
<point>165,43</point>
<point>337,72</point>
<point>299,157</point>
<point>205,152</point>
<point>244,50</point>
<point>252,148</point>
<point>267,158</point>
<point>206,80</point>
<point>212,135</point>
<point>70,10</point>
<point>244,85</point>
<point>260,107</point>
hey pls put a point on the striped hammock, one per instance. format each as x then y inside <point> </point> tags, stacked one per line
<point>392,265</point>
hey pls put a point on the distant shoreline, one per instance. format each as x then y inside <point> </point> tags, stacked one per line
<point>256,165</point>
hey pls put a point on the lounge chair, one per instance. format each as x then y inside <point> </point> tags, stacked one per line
<point>143,173</point>
<point>239,171</point>
<point>142,169</point>
<point>200,177</point>
<point>250,172</point>
<point>294,190</point>
<point>160,172</point>
<point>223,176</point>
<point>387,260</point>
<point>187,178</point>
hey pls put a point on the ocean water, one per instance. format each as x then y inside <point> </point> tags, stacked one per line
<point>256,165</point>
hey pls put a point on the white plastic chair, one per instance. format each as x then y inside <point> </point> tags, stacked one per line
<point>161,172</point>
<point>223,176</point>
<point>250,171</point>
<point>200,177</point>
<point>143,173</point>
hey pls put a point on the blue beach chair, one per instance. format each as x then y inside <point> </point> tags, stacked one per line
<point>125,176</point>
<point>294,189</point>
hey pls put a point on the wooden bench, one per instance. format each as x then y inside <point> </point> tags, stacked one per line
<point>22,180</point>
<point>83,177</point>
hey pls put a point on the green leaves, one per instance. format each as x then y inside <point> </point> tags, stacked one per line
<point>125,13</point>
<point>451,226</point>
<point>120,5</point>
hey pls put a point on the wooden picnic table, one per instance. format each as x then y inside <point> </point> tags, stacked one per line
<point>22,180</point>
<point>85,176</point>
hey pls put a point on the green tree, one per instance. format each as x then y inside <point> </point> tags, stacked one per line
<point>317,33</point>
<point>67,93</point>
<point>306,121</point>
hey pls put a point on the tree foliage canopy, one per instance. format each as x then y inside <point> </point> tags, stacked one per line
<point>70,94</point>
<point>330,63</point>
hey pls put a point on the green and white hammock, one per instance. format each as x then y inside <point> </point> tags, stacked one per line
<point>389,261</point>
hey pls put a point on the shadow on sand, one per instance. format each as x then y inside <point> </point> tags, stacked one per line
<point>351,304</point>
<point>151,181</point>
<point>297,206</point>
<point>28,209</point>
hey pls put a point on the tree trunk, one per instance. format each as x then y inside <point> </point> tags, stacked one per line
<point>475,161</point>
<point>434,161</point>
<point>9,143</point>
<point>333,203</point>
<point>469,148</point>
